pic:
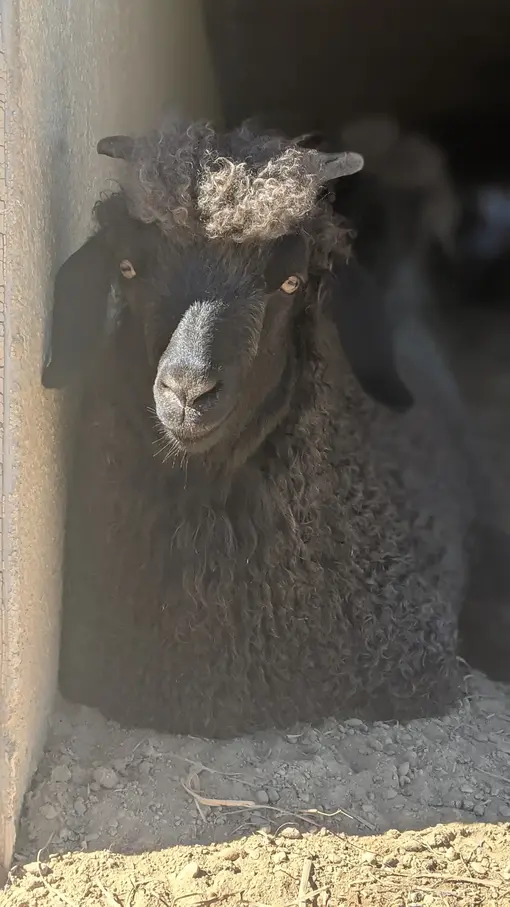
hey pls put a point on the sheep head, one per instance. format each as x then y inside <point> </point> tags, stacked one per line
<point>216,247</point>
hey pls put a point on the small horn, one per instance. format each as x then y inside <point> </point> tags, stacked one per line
<point>314,139</point>
<point>343,163</point>
<point>116,146</point>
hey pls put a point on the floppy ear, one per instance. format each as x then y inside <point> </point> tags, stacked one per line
<point>81,291</point>
<point>356,308</point>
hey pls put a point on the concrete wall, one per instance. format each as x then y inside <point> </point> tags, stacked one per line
<point>76,69</point>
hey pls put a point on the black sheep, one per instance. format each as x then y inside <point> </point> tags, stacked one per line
<point>240,552</point>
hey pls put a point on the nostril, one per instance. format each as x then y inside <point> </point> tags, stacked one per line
<point>204,394</point>
<point>169,386</point>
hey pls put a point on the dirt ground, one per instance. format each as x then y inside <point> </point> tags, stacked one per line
<point>450,865</point>
<point>133,819</point>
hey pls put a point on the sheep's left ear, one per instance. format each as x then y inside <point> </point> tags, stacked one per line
<point>80,299</point>
<point>334,166</point>
<point>357,310</point>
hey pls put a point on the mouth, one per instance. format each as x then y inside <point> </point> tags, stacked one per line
<point>197,440</point>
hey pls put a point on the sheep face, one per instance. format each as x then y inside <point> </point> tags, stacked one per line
<point>219,323</point>
<point>219,320</point>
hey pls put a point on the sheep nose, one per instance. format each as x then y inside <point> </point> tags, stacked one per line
<point>191,387</point>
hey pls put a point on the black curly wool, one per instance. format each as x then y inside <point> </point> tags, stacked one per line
<point>287,577</point>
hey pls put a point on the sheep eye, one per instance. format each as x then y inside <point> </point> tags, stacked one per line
<point>290,285</point>
<point>126,269</point>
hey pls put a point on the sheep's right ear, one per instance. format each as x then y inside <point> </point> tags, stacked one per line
<point>365,332</point>
<point>80,301</point>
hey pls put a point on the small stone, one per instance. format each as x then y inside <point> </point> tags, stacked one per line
<point>80,807</point>
<point>369,858</point>
<point>145,768</point>
<point>468,805</point>
<point>261,796</point>
<point>273,795</point>
<point>231,854</point>
<point>37,869</point>
<point>120,765</point>
<point>403,769</point>
<point>354,722</point>
<point>106,777</point>
<point>48,811</point>
<point>504,810</point>
<point>479,810</point>
<point>190,871</point>
<point>466,788</point>
<point>413,846</point>
<point>291,832</point>
<point>479,868</point>
<point>391,793</point>
<point>61,774</point>
<point>280,857</point>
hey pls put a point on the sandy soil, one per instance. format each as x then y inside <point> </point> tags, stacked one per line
<point>241,818</point>
<point>450,865</point>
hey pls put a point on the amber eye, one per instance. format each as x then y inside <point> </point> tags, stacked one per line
<point>126,269</point>
<point>290,285</point>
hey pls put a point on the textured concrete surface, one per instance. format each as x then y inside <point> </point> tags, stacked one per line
<point>75,71</point>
